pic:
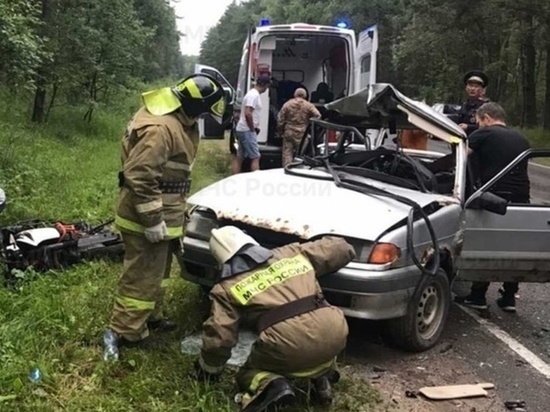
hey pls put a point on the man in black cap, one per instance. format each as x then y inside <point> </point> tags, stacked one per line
<point>476,81</point>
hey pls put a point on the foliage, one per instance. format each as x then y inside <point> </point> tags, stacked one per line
<point>86,51</point>
<point>20,46</point>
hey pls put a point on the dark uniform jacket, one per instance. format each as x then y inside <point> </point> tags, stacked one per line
<point>467,113</point>
<point>295,344</point>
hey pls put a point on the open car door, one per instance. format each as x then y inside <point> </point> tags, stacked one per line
<point>365,64</point>
<point>365,67</point>
<point>509,242</point>
<point>209,128</point>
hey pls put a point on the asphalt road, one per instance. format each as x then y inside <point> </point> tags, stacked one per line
<point>466,353</point>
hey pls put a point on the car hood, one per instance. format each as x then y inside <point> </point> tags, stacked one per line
<point>306,206</point>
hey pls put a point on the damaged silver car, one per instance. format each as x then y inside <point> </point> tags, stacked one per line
<point>414,216</point>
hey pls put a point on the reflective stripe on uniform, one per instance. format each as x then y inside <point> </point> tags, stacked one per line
<point>164,282</point>
<point>174,232</point>
<point>149,206</point>
<point>178,166</point>
<point>257,380</point>
<point>128,225</point>
<point>278,272</point>
<point>135,304</point>
<point>331,364</point>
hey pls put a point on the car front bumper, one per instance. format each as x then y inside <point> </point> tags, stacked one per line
<point>358,291</point>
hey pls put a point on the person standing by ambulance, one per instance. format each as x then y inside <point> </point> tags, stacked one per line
<point>248,126</point>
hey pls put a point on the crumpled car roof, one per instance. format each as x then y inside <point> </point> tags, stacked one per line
<point>391,109</point>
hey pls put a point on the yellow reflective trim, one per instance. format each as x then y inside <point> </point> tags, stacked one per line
<point>276,273</point>
<point>454,139</point>
<point>135,304</point>
<point>174,232</point>
<point>149,206</point>
<point>161,101</point>
<point>125,224</point>
<point>128,225</point>
<point>178,166</point>
<point>165,283</point>
<point>193,89</point>
<point>331,364</point>
<point>218,108</point>
<point>257,380</point>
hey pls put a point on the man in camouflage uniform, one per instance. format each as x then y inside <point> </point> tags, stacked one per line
<point>476,81</point>
<point>158,152</point>
<point>300,334</point>
<point>292,123</point>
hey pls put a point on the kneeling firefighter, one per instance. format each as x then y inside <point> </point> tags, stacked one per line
<point>300,334</point>
<point>158,151</point>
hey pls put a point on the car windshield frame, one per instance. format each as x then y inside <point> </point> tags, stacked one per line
<point>384,110</point>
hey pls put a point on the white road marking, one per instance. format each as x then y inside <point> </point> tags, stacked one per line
<point>509,341</point>
<point>539,165</point>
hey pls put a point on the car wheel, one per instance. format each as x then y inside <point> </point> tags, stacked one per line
<point>421,327</point>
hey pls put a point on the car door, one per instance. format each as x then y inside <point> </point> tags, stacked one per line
<point>365,58</point>
<point>209,128</point>
<point>365,68</point>
<point>514,246</point>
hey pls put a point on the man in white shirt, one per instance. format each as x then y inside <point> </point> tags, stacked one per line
<point>248,126</point>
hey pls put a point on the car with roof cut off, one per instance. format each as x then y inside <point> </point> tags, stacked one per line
<point>415,217</point>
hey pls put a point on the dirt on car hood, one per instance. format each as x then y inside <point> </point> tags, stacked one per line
<point>306,206</point>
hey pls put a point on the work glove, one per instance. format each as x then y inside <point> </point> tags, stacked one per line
<point>156,233</point>
<point>201,375</point>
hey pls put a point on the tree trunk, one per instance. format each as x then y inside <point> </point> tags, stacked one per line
<point>529,66</point>
<point>39,107</point>
<point>546,114</point>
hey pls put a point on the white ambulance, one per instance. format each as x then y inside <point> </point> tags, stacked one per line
<point>329,62</point>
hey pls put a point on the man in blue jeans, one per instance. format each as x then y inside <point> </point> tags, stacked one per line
<point>248,127</point>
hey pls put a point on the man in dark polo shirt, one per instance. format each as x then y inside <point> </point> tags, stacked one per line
<point>495,145</point>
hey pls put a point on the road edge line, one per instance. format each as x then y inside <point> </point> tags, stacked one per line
<point>512,343</point>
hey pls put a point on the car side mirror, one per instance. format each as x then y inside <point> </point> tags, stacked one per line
<point>490,202</point>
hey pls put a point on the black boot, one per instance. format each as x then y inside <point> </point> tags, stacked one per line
<point>148,343</point>
<point>507,302</point>
<point>278,393</point>
<point>322,391</point>
<point>322,388</point>
<point>162,325</point>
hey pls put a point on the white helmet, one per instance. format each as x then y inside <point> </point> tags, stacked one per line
<point>227,241</point>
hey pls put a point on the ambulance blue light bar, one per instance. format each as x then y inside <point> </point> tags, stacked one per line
<point>264,21</point>
<point>342,23</point>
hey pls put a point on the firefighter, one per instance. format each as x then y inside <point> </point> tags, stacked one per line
<point>299,333</point>
<point>476,82</point>
<point>158,152</point>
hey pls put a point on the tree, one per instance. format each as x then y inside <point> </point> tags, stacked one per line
<point>20,45</point>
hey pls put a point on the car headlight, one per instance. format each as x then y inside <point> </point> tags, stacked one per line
<point>379,254</point>
<point>383,253</point>
<point>200,224</point>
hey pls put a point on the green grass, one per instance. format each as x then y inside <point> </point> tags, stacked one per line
<point>66,170</point>
<point>539,138</point>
